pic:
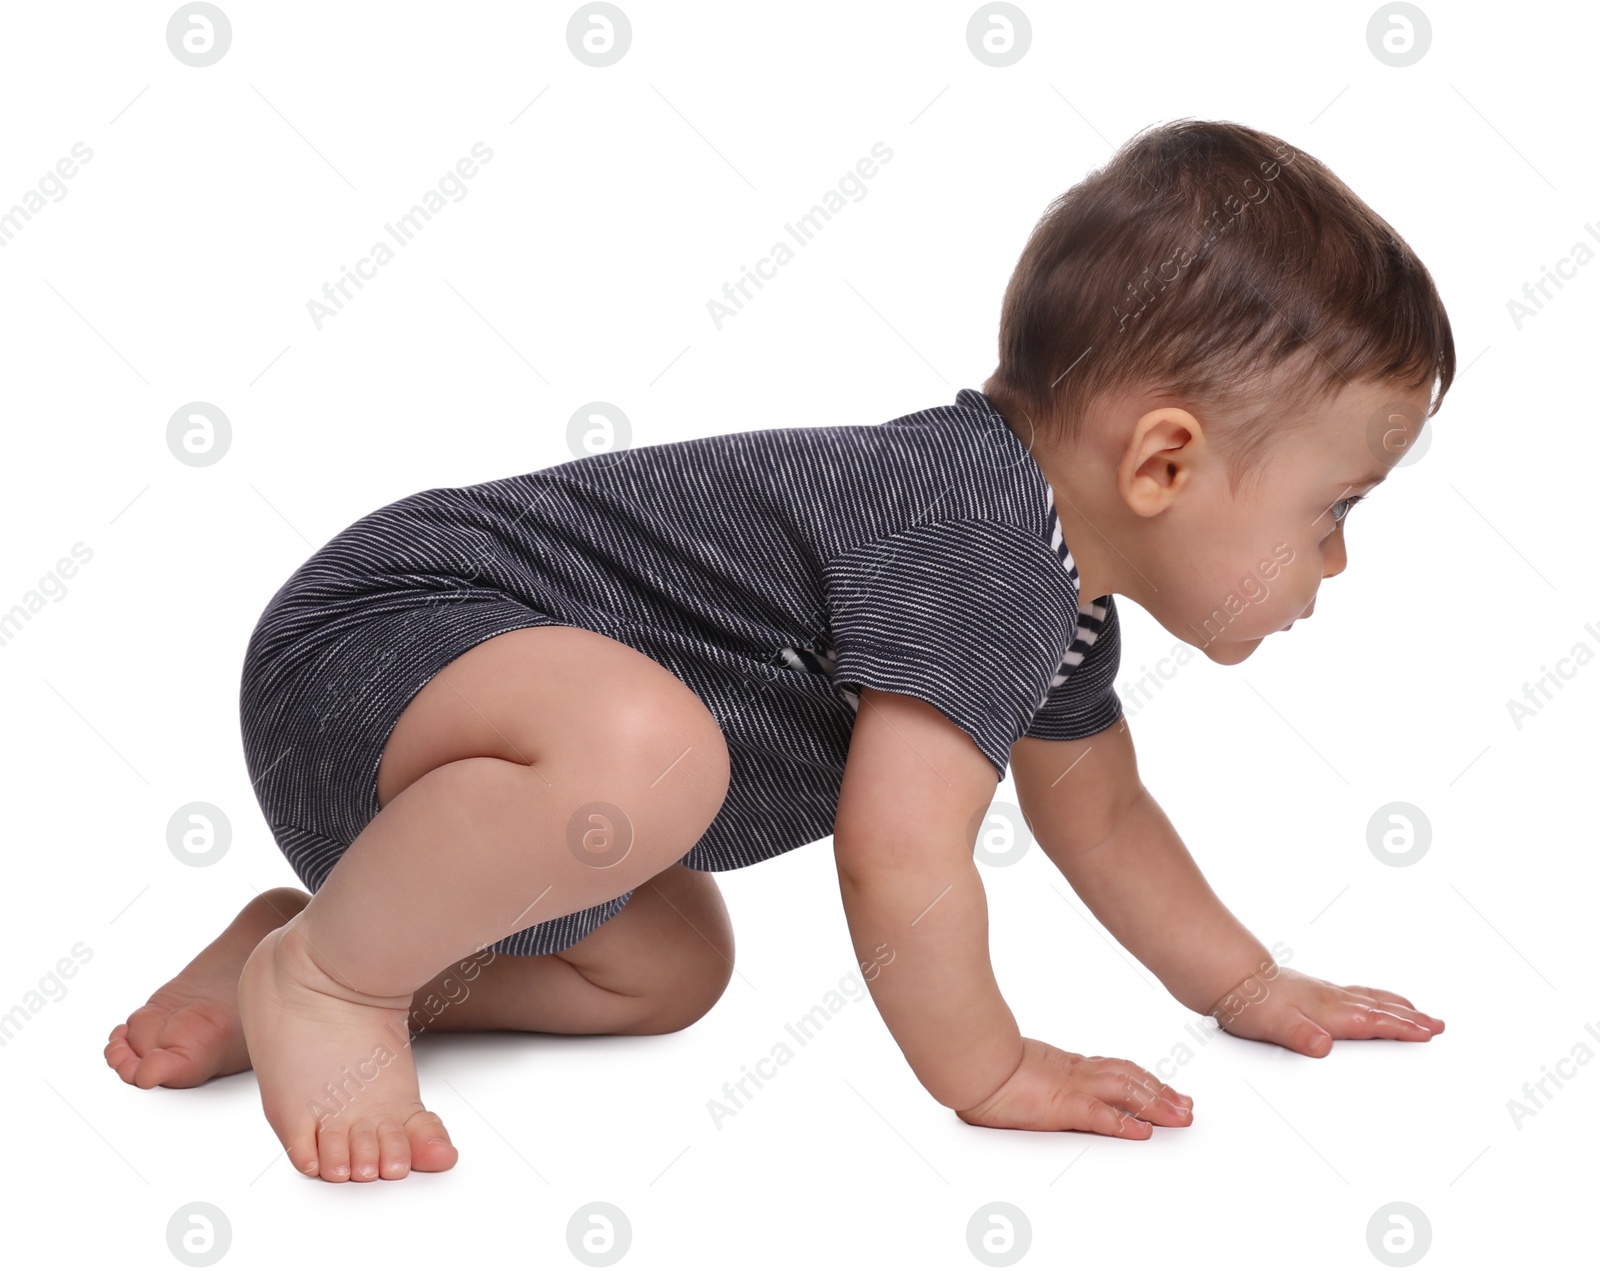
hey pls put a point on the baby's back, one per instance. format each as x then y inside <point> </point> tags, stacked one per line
<point>733,560</point>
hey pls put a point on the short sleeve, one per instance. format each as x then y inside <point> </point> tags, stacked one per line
<point>971,616</point>
<point>1083,697</point>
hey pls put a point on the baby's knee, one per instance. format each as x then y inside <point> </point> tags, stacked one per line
<point>686,1001</point>
<point>689,981</point>
<point>670,949</point>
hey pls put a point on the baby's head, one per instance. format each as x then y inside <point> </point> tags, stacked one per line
<point>1213,348</point>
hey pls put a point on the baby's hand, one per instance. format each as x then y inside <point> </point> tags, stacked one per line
<point>1302,1013</point>
<point>1056,1090</point>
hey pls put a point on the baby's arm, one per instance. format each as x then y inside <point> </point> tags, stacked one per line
<point>1105,832</point>
<point>914,785</point>
<point>1094,818</point>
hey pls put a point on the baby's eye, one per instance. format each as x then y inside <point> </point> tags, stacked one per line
<point>1341,509</point>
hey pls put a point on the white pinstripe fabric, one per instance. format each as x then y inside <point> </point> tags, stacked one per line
<point>773,571</point>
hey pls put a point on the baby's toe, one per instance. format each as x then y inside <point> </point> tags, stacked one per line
<point>394,1150</point>
<point>364,1152</point>
<point>431,1149</point>
<point>144,1028</point>
<point>333,1155</point>
<point>119,1055</point>
<point>160,1066</point>
<point>141,1066</point>
<point>141,1060</point>
<point>301,1149</point>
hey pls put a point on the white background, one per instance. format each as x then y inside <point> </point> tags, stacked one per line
<point>578,267</point>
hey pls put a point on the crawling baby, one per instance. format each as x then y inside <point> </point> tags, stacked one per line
<point>506,733</point>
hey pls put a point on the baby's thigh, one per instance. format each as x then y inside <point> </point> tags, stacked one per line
<point>568,698</point>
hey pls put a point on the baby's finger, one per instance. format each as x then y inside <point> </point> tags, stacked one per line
<point>1382,995</point>
<point>1136,1084</point>
<point>1358,1020</point>
<point>1305,1036</point>
<point>1125,1085</point>
<point>1399,1005</point>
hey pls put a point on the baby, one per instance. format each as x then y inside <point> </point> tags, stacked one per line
<point>506,733</point>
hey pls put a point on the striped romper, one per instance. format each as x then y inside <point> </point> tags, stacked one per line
<point>775,572</point>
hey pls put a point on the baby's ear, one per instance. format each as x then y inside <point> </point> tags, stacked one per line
<point>1159,460</point>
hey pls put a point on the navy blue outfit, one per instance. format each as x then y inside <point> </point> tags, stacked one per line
<point>775,572</point>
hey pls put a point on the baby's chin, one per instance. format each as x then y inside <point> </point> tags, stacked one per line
<point>1231,652</point>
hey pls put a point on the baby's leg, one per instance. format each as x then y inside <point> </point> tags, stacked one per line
<point>656,967</point>
<point>543,772</point>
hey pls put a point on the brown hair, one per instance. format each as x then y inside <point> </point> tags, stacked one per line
<point>1204,261</point>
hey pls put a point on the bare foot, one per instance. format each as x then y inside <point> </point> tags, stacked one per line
<point>337,1081</point>
<point>189,1031</point>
